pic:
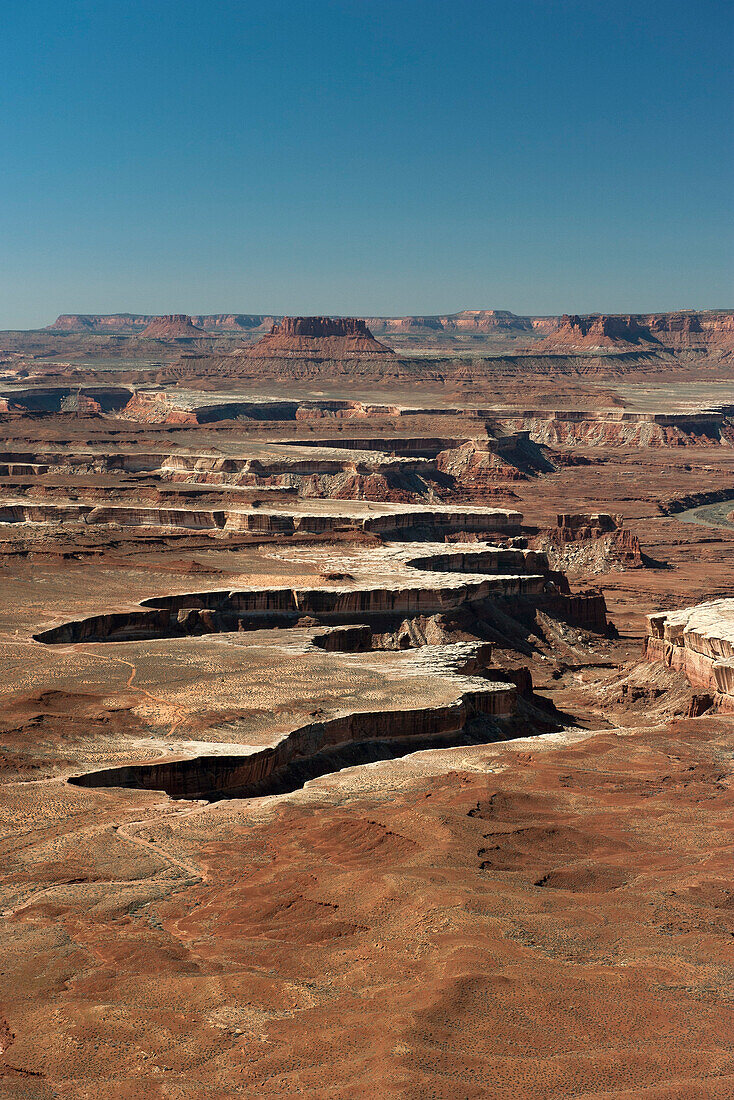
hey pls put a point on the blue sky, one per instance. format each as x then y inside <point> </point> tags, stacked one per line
<point>364,156</point>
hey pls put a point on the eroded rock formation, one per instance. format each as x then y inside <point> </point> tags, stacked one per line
<point>591,543</point>
<point>172,326</point>
<point>698,641</point>
<point>319,338</point>
<point>598,331</point>
<point>319,747</point>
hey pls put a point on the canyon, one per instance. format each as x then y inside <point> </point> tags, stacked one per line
<point>367,706</point>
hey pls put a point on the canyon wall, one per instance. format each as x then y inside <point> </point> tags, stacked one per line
<point>698,641</point>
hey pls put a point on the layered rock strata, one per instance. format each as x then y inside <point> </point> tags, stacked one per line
<point>319,338</point>
<point>399,519</point>
<point>172,326</point>
<point>596,332</point>
<point>455,581</point>
<point>454,578</point>
<point>698,641</point>
<point>318,747</point>
<point>591,543</point>
<point>682,328</point>
<point>613,428</point>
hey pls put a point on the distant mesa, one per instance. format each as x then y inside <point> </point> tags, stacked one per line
<point>709,329</point>
<point>697,331</point>
<point>133,324</point>
<point>597,331</point>
<point>468,321</point>
<point>319,338</point>
<point>172,326</point>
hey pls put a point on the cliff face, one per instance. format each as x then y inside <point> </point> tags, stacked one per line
<point>478,321</point>
<point>698,641</point>
<point>572,429</point>
<point>234,322</point>
<point>132,324</point>
<point>118,323</point>
<point>710,331</point>
<point>319,338</point>
<point>591,543</point>
<point>482,466</point>
<point>597,331</point>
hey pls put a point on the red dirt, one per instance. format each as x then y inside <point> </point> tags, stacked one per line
<point>547,918</point>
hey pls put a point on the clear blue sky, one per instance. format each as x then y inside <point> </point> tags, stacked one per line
<point>364,156</point>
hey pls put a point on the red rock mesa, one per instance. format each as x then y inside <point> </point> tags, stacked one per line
<point>319,338</point>
<point>597,331</point>
<point>173,326</point>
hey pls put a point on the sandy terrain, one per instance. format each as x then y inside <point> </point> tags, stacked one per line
<point>334,765</point>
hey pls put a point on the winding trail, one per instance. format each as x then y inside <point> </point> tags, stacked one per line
<point>193,873</point>
<point>184,713</point>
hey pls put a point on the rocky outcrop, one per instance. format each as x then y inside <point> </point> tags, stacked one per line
<point>157,408</point>
<point>613,428</point>
<point>591,543</point>
<point>476,468</point>
<point>578,526</point>
<point>172,326</point>
<point>587,610</point>
<point>160,406</point>
<point>698,641</point>
<point>404,521</point>
<point>324,338</point>
<point>707,330</point>
<point>711,330</point>
<point>234,322</point>
<point>466,578</point>
<point>479,466</point>
<point>122,323</point>
<point>80,404</point>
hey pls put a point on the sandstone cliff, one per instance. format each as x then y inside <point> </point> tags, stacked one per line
<point>590,544</point>
<point>595,332</point>
<point>710,330</point>
<point>677,328</point>
<point>698,641</point>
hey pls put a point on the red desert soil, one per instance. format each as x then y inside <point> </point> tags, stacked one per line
<point>549,916</point>
<point>552,922</point>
